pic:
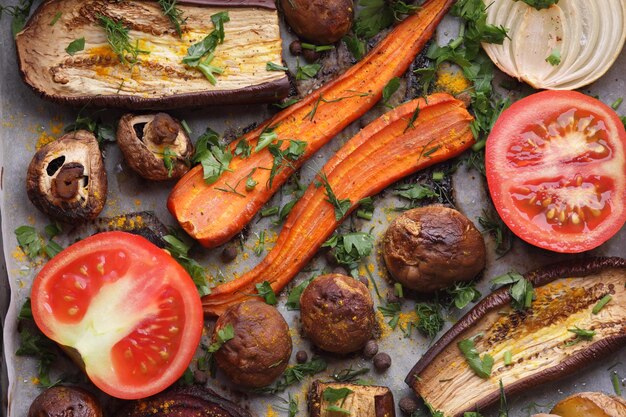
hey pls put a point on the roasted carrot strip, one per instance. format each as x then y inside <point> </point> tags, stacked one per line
<point>388,149</point>
<point>214,217</point>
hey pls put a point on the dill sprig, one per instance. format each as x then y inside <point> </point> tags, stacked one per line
<point>174,14</point>
<point>119,41</point>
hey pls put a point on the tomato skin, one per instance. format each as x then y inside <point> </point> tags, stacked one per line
<point>130,311</point>
<point>556,170</point>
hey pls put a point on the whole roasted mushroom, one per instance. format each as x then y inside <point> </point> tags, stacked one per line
<point>430,248</point>
<point>66,179</point>
<point>155,145</point>
<point>337,313</point>
<point>65,402</point>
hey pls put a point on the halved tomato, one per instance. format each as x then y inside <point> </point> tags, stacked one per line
<point>130,311</point>
<point>557,172</point>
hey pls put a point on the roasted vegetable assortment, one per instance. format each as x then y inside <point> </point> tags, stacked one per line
<point>321,243</point>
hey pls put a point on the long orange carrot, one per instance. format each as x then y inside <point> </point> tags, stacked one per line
<point>390,148</point>
<point>214,217</point>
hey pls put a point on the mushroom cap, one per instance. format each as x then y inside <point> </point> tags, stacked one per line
<point>65,401</point>
<point>66,179</point>
<point>135,137</point>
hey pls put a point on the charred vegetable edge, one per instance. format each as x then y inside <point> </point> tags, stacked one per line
<point>501,297</point>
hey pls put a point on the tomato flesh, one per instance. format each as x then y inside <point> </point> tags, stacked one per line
<point>557,172</point>
<point>126,306</point>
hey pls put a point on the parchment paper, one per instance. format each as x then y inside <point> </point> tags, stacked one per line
<point>24,118</point>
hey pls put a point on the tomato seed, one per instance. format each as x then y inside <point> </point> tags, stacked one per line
<point>575,218</point>
<point>550,214</point>
<point>72,311</point>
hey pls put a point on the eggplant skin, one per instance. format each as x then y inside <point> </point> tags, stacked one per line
<point>159,80</point>
<point>364,401</point>
<point>193,401</point>
<point>501,299</point>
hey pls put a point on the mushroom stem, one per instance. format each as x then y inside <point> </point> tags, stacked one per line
<point>162,129</point>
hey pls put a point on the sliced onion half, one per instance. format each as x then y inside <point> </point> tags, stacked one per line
<point>589,35</point>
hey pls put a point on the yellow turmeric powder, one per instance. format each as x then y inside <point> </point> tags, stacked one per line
<point>451,80</point>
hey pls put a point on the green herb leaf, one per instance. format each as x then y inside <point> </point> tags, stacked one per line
<point>223,335</point>
<point>174,14</point>
<point>356,46</point>
<point>334,395</point>
<point>293,300</point>
<point>540,4</point>
<point>522,292</point>
<point>480,366</point>
<point>76,45</point>
<point>508,358</point>
<point>492,224</point>
<point>29,240</point>
<point>250,184</point>
<point>351,248</point>
<point>341,206</point>
<point>349,374</point>
<point>391,87</point>
<point>286,103</point>
<point>376,15</point>
<point>317,48</point>
<point>267,136</point>
<point>554,58</point>
<point>180,251</point>
<point>270,66</point>
<point>601,303</point>
<point>581,334</point>
<point>56,18</point>
<point>169,157</point>
<point>429,320</point>
<point>463,293</point>
<point>337,409</point>
<point>504,406</point>
<point>472,414</point>
<point>200,54</point>
<point>304,72</point>
<point>617,103</point>
<point>267,293</point>
<point>119,40</point>
<point>391,311</point>
<point>414,193</point>
<point>615,380</point>
<point>296,374</point>
<point>214,157</point>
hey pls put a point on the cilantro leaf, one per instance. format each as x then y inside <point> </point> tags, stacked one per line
<point>350,248</point>
<point>334,395</point>
<point>180,251</point>
<point>391,87</point>
<point>480,366</point>
<point>293,299</point>
<point>267,293</point>
<point>341,206</point>
<point>75,46</point>
<point>463,293</point>
<point>214,157</point>
<point>304,72</point>
<point>224,334</point>
<point>271,66</point>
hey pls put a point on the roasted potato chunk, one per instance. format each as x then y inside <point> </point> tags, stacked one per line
<point>319,21</point>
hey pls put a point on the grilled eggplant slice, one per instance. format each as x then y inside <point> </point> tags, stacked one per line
<point>158,79</point>
<point>362,400</point>
<point>191,401</point>
<point>542,347</point>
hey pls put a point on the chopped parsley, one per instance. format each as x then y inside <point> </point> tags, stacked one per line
<point>213,155</point>
<point>296,374</point>
<point>266,137</point>
<point>267,293</point>
<point>19,13</point>
<point>463,293</point>
<point>414,193</point>
<point>494,226</point>
<point>201,54</point>
<point>270,66</point>
<point>260,244</point>
<point>391,87</point>
<point>350,248</point>
<point>75,46</point>
<point>284,157</point>
<point>103,132</point>
<point>180,251</point>
<point>224,334</point>
<point>334,395</point>
<point>376,15</point>
<point>34,245</point>
<point>554,58</point>
<point>169,157</point>
<point>480,366</point>
<point>304,72</point>
<point>521,290</point>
